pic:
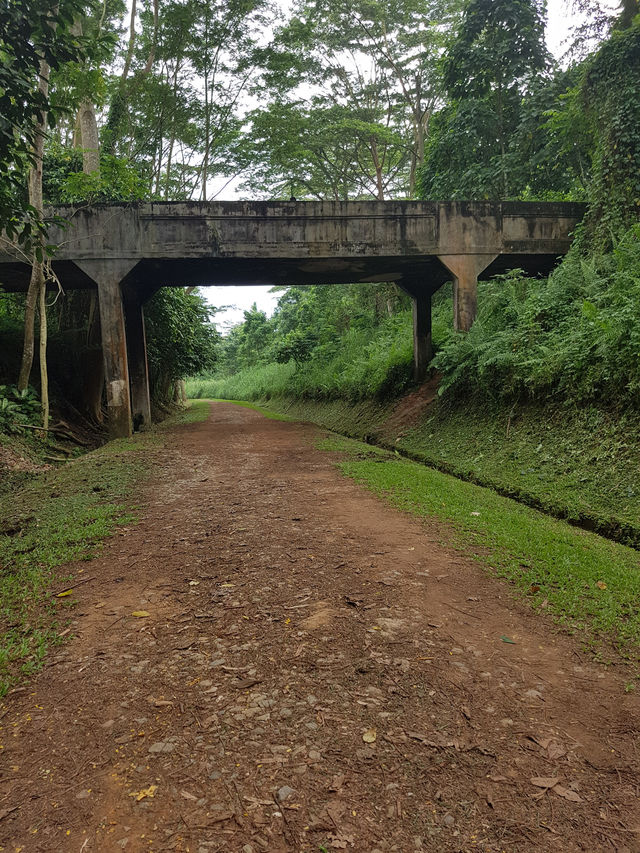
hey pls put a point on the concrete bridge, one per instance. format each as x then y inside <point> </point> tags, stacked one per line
<point>127,252</point>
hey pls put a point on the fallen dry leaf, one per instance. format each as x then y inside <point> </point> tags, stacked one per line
<point>219,817</point>
<point>544,781</point>
<point>340,842</point>
<point>188,796</point>
<point>555,750</point>
<point>337,782</point>
<point>8,811</point>
<point>159,703</point>
<point>145,792</point>
<point>246,682</point>
<point>370,736</point>
<point>601,585</point>
<point>552,749</point>
<point>567,793</point>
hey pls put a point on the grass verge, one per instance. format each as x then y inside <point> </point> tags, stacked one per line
<point>575,464</point>
<point>56,517</point>
<point>588,583</point>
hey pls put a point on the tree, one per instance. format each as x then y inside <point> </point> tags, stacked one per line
<point>34,36</point>
<point>372,75</point>
<point>181,340</point>
<point>24,93</point>
<point>176,107</point>
<point>611,97</point>
<point>489,67</point>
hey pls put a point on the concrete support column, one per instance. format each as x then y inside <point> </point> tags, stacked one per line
<point>137,358</point>
<point>422,344</point>
<point>465,270</point>
<point>108,275</point>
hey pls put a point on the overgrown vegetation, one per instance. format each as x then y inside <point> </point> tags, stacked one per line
<point>574,337</point>
<point>452,99</point>
<point>352,342</point>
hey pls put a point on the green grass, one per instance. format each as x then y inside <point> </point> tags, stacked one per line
<point>58,517</point>
<point>196,412</point>
<point>578,464</point>
<point>545,560</point>
<point>251,384</point>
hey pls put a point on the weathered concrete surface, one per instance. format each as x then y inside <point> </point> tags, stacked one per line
<point>108,275</point>
<point>129,251</point>
<point>177,244</point>
<point>422,341</point>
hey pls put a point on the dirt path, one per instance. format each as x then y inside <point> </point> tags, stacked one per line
<point>291,614</point>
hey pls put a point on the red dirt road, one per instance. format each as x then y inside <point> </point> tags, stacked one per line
<point>317,672</point>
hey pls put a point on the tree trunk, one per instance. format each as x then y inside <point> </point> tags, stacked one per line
<point>94,375</point>
<point>29,329</point>
<point>420,132</point>
<point>630,8</point>
<point>89,135</point>
<point>207,117</point>
<point>44,375</point>
<point>37,268</point>
<point>378,167</point>
<point>131,45</point>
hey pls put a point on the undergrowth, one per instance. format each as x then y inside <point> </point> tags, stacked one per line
<point>356,364</point>
<point>574,337</point>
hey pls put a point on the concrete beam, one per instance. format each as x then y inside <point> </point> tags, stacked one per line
<point>178,244</point>
<point>465,270</point>
<point>108,275</point>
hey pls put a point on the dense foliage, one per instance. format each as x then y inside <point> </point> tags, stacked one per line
<point>351,341</point>
<point>506,124</point>
<point>574,336</point>
<point>180,338</point>
<point>31,32</point>
<point>611,96</point>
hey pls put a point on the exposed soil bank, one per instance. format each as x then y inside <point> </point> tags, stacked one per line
<point>578,465</point>
<point>314,671</point>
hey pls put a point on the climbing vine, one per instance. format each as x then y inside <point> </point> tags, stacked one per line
<point>611,94</point>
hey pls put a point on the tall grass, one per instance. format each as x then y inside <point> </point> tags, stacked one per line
<point>255,383</point>
<point>359,364</point>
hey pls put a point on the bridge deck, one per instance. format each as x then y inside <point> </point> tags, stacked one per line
<point>186,243</point>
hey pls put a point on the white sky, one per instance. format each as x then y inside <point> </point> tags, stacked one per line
<point>560,21</point>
